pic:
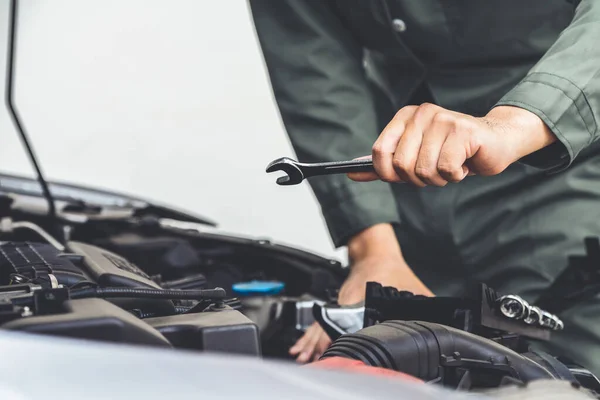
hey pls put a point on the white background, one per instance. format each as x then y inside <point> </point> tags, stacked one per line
<point>161,98</point>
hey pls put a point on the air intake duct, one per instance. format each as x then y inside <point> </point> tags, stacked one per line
<point>427,351</point>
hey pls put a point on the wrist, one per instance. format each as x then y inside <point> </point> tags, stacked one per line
<point>525,131</point>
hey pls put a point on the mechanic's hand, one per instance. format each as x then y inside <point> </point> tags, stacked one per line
<point>384,270</point>
<point>311,345</point>
<point>388,271</point>
<point>376,257</point>
<point>429,145</point>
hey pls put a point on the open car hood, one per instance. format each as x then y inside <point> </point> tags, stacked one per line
<point>27,193</point>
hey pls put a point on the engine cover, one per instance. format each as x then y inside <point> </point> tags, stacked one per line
<point>40,263</point>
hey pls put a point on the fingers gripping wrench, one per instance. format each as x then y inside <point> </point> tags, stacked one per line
<point>296,171</point>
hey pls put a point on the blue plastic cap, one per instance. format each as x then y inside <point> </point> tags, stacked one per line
<point>258,288</point>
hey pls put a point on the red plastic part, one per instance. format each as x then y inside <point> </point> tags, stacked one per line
<point>346,364</point>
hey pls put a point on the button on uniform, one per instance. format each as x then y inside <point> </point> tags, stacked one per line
<point>398,25</point>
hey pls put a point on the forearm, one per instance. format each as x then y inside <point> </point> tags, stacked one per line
<point>377,239</point>
<point>563,89</point>
<point>373,247</point>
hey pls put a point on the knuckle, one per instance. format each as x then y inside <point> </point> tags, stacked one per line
<point>424,173</point>
<point>450,172</point>
<point>443,118</point>
<point>426,107</point>
<point>400,165</point>
<point>445,168</point>
<point>377,148</point>
<point>401,112</point>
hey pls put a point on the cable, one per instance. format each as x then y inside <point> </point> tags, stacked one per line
<point>142,315</point>
<point>234,303</point>
<point>82,284</point>
<point>112,292</point>
<point>124,292</point>
<point>10,66</point>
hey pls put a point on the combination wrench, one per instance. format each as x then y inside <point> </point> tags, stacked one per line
<point>296,171</point>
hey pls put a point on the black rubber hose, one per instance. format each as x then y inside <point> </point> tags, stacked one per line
<point>418,348</point>
<point>124,292</point>
<point>143,315</point>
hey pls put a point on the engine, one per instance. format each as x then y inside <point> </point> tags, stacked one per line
<point>90,293</point>
<point>137,273</point>
<point>84,291</point>
<point>141,275</point>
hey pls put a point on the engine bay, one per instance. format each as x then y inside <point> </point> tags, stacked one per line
<point>109,268</point>
<point>119,244</point>
<point>88,270</point>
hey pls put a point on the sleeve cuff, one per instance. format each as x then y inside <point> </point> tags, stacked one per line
<point>350,207</point>
<point>564,108</point>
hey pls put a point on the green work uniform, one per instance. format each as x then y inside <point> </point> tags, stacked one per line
<point>339,71</point>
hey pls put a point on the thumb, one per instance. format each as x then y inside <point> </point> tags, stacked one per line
<point>363,176</point>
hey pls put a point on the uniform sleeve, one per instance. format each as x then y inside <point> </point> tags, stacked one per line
<point>327,106</point>
<point>563,89</point>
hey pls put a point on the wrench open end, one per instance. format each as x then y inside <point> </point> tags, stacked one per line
<point>293,173</point>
